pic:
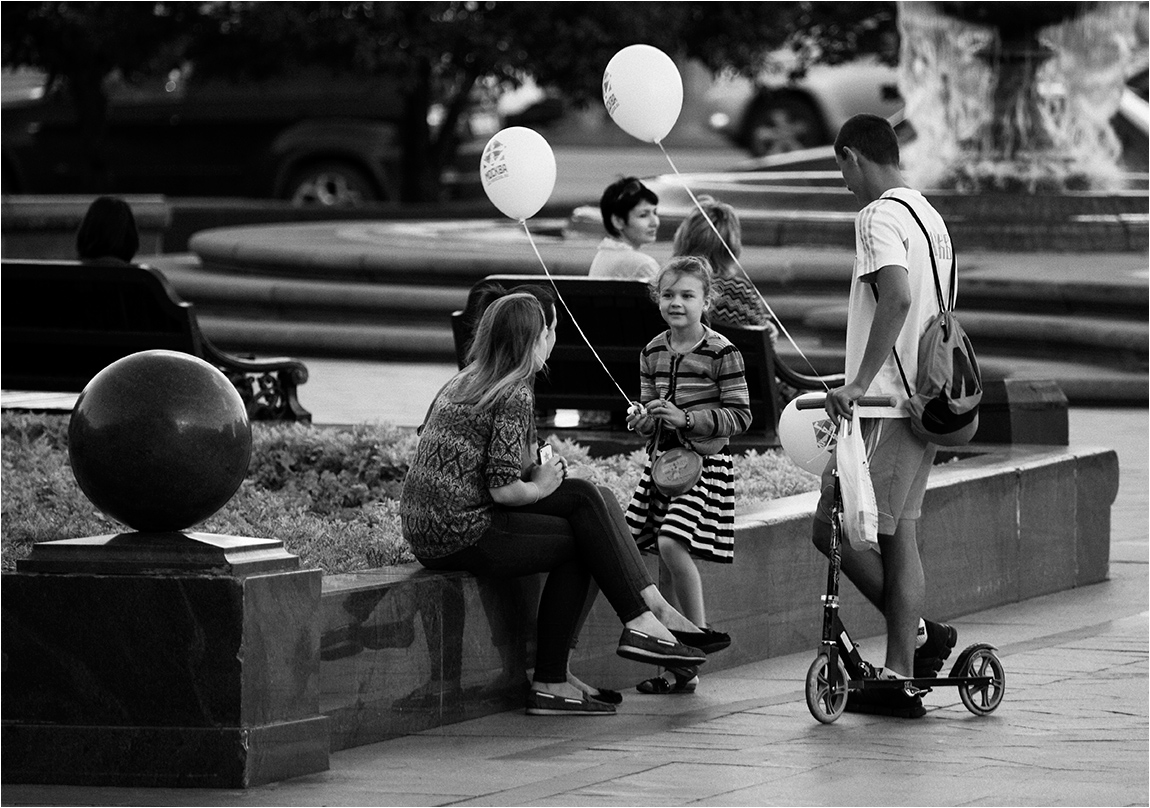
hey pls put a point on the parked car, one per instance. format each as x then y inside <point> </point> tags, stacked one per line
<point>313,138</point>
<point>775,114</point>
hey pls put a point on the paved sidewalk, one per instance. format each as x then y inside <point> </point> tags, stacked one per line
<point>1072,729</point>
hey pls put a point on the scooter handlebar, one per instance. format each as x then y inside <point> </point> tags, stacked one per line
<point>814,403</point>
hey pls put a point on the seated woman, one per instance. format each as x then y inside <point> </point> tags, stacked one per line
<point>108,233</point>
<point>628,210</point>
<point>735,301</point>
<point>479,498</point>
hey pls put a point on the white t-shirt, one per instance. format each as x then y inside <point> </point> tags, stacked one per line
<point>887,235</point>
<point>618,259</point>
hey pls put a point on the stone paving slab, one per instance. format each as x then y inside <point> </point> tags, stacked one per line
<point>1071,731</point>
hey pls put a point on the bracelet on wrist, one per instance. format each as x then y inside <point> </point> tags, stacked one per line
<point>538,493</point>
<point>690,424</point>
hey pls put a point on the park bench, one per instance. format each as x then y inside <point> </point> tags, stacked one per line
<point>64,321</point>
<point>619,318</point>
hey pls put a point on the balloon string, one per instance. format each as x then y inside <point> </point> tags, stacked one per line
<point>735,258</point>
<point>567,308</point>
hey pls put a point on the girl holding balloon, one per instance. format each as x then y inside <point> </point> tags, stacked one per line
<point>694,392</point>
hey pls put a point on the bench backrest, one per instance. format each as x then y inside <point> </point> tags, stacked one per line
<point>64,321</point>
<point>619,318</point>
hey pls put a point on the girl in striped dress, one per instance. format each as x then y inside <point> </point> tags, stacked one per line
<point>692,380</point>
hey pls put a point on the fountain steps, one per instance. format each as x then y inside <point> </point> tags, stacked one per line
<point>780,215</point>
<point>1090,336</point>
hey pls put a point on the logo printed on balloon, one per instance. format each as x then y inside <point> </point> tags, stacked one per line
<point>609,99</point>
<point>493,170</point>
<point>825,433</point>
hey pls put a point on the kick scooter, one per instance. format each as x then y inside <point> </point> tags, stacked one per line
<point>839,669</point>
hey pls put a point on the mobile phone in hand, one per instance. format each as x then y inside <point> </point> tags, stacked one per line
<point>544,453</point>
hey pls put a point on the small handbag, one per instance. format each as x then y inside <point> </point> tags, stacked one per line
<point>677,470</point>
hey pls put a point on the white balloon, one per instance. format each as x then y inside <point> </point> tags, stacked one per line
<point>518,171</point>
<point>808,436</point>
<point>643,92</point>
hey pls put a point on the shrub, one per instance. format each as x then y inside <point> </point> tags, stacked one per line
<point>331,495</point>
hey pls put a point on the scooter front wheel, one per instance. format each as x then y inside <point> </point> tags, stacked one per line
<point>980,661</point>
<point>826,702</point>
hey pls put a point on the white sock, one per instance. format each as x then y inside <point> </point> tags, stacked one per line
<point>920,639</point>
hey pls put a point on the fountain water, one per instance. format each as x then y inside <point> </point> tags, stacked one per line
<point>1017,97</point>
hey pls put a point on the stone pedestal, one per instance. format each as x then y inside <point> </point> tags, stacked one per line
<point>1023,411</point>
<point>165,659</point>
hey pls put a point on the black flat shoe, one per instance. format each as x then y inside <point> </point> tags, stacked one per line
<point>607,696</point>
<point>638,646</point>
<point>706,640</point>
<point>659,685</point>
<point>540,703</point>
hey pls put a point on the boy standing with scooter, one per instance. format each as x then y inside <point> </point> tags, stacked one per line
<point>891,300</point>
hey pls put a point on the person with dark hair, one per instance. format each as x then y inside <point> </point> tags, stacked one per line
<point>630,217</point>
<point>108,232</point>
<point>481,497</point>
<point>892,298</point>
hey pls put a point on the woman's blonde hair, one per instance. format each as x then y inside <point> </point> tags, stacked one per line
<point>692,265</point>
<point>502,353</point>
<point>695,237</point>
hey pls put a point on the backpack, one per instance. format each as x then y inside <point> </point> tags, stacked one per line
<point>944,404</point>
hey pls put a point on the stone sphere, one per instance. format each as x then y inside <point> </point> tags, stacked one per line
<point>159,440</point>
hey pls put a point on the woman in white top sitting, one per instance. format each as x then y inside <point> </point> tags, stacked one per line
<point>628,208</point>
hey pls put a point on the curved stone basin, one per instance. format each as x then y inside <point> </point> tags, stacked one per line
<point>786,208</point>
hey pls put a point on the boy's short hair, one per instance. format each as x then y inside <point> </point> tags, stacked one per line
<point>872,136</point>
<point>620,197</point>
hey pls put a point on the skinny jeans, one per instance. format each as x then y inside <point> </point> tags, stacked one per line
<point>576,534</point>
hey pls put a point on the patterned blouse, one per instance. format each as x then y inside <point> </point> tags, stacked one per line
<point>710,380</point>
<point>736,302</point>
<point>446,506</point>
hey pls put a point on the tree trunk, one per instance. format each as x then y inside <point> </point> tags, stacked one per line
<point>419,180</point>
<point>91,105</point>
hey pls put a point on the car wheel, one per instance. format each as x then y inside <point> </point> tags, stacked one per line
<point>783,124</point>
<point>330,184</point>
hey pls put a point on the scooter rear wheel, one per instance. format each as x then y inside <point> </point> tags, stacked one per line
<point>825,702</point>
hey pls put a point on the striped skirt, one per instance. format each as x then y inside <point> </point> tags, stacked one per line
<point>702,518</point>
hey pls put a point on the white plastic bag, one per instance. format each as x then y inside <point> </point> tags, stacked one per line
<point>860,510</point>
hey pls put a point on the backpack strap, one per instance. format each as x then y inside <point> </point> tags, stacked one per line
<point>897,361</point>
<point>937,283</point>
<point>933,262</point>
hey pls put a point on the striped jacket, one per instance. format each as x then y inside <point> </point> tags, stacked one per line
<point>710,381</point>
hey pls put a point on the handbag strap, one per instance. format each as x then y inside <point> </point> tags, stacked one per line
<point>655,439</point>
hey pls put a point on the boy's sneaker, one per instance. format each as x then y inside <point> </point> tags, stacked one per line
<point>894,701</point>
<point>928,659</point>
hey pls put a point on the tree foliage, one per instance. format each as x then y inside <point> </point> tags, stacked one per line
<point>79,44</point>
<point>434,52</point>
